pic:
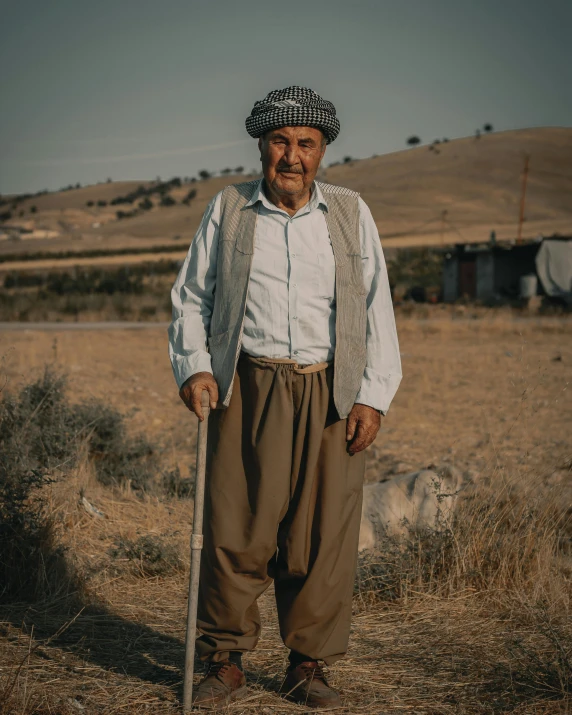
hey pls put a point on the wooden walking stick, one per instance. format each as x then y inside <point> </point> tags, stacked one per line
<point>196,547</point>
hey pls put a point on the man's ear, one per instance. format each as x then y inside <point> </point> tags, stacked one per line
<point>260,146</point>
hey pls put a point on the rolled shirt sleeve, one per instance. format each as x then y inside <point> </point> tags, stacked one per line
<point>382,374</point>
<point>192,297</point>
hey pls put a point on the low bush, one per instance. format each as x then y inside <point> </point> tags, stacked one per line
<point>125,214</point>
<point>42,438</point>
<point>119,458</point>
<point>415,270</point>
<point>148,556</point>
<point>176,486</point>
<point>418,561</point>
<point>36,444</point>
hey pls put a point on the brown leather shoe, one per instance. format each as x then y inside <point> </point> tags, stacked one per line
<point>223,683</point>
<point>306,684</point>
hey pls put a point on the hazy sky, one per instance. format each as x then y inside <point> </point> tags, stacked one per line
<point>133,89</point>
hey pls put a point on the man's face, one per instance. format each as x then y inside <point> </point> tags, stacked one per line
<point>291,157</point>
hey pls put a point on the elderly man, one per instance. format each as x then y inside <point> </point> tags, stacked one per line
<point>282,311</point>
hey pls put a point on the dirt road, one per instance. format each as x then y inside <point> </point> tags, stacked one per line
<point>111,325</point>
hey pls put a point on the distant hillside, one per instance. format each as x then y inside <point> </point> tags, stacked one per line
<point>82,228</point>
<point>455,192</point>
<point>476,181</point>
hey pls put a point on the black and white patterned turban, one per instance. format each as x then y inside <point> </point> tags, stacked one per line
<point>293,107</point>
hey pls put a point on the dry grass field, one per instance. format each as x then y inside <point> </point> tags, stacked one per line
<point>472,622</point>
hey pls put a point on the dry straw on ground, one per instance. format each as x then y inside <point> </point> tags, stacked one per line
<point>475,619</point>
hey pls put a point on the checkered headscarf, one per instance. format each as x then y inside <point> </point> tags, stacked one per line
<point>293,107</point>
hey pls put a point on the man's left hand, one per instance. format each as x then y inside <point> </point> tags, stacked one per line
<point>362,427</point>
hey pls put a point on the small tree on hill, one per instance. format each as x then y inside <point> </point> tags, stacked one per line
<point>89,203</point>
<point>488,128</point>
<point>101,202</point>
<point>33,209</point>
<point>239,170</point>
<point>204,174</point>
<point>167,200</point>
<point>413,140</point>
<point>189,197</point>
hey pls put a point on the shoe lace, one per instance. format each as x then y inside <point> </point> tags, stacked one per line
<point>313,671</point>
<point>218,669</point>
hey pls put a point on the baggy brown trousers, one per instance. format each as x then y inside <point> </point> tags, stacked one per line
<point>283,501</point>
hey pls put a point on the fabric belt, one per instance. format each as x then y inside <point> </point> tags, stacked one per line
<point>287,362</point>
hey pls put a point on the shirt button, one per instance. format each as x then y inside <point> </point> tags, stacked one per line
<point>294,317</point>
<point>295,352</point>
<point>295,285</point>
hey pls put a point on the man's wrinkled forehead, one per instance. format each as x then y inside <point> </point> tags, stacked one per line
<point>300,134</point>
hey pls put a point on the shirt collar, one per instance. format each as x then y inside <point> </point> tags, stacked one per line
<point>316,198</point>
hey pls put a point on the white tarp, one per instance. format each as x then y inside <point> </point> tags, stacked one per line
<point>554,268</point>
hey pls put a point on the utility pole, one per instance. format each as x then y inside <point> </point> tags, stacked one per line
<point>522,198</point>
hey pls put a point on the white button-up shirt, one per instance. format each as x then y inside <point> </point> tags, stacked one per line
<point>290,307</point>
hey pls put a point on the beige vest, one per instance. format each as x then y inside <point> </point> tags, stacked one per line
<point>235,251</point>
